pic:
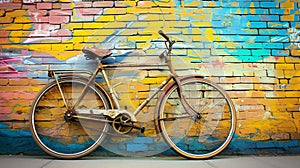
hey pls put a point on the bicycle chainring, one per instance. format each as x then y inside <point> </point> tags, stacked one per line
<point>122,124</point>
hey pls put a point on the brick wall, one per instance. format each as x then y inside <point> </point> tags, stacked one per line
<point>250,48</point>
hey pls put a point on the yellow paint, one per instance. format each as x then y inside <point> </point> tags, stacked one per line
<point>287,5</point>
<point>210,34</point>
<point>252,9</point>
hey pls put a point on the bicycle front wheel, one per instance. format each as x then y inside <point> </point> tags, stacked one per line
<point>202,135</point>
<point>54,123</point>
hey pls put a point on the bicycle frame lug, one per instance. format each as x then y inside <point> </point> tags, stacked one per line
<point>111,113</point>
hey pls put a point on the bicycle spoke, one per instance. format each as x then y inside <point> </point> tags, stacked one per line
<point>202,135</point>
<point>64,133</point>
<point>176,117</point>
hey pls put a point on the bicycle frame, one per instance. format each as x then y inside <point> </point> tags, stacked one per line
<point>101,68</point>
<point>116,106</point>
<point>144,103</point>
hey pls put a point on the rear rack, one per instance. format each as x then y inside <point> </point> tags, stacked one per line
<point>66,73</point>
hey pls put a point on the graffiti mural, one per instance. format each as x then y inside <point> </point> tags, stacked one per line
<point>251,48</point>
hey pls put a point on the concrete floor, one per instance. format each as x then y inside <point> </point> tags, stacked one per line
<point>152,162</point>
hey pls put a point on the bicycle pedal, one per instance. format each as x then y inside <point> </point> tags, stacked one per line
<point>143,129</point>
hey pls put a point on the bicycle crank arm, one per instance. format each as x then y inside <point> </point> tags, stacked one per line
<point>142,129</point>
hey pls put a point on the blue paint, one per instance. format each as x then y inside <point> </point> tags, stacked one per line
<point>248,4</point>
<point>3,126</point>
<point>253,45</point>
<point>258,25</point>
<point>136,147</point>
<point>14,142</point>
<point>280,52</point>
<point>269,4</point>
<point>272,32</point>
<point>277,11</point>
<point>238,52</point>
<point>273,45</point>
<point>261,52</point>
<point>278,25</point>
<point>143,140</point>
<point>260,17</point>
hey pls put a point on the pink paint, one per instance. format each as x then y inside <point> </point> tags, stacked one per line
<point>90,11</point>
<point>218,63</point>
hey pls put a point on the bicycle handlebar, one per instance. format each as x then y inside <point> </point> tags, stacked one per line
<point>164,35</point>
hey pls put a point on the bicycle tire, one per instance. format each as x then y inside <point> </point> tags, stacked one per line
<point>191,137</point>
<point>51,130</point>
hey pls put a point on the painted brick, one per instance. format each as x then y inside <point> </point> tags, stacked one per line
<point>18,82</point>
<point>285,66</point>
<point>16,13</point>
<point>252,45</point>
<point>280,52</point>
<point>103,4</point>
<point>295,52</point>
<point>83,4</point>
<point>288,4</point>
<point>288,18</point>
<point>258,25</point>
<point>272,32</point>
<point>114,11</point>
<point>61,47</point>
<point>243,86</point>
<point>4,20</point>
<point>261,11</point>
<point>3,82</point>
<point>269,4</point>
<point>106,18</point>
<point>260,52</point>
<point>126,4</point>
<point>277,11</point>
<point>127,17</point>
<point>278,25</point>
<point>146,4</point>
<point>211,3</point>
<point>292,94</point>
<point>44,5</point>
<point>230,4</point>
<point>269,17</point>
<point>248,4</point>
<point>65,6</point>
<point>273,45</point>
<point>136,147</point>
<point>59,12</point>
<point>58,19</point>
<point>92,25</point>
<point>23,20</point>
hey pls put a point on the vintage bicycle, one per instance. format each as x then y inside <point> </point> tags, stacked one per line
<point>72,115</point>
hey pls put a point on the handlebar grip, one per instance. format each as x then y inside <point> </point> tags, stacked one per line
<point>164,35</point>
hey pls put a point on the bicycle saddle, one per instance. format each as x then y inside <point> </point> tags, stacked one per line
<point>94,53</point>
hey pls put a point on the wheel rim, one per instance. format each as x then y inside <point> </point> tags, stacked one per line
<point>58,136</point>
<point>197,138</point>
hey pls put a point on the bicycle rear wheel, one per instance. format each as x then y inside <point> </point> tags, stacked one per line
<point>54,125</point>
<point>192,136</point>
